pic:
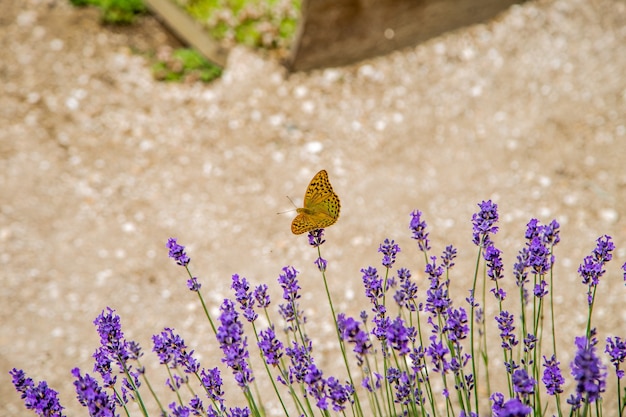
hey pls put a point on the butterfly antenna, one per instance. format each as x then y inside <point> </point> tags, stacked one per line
<point>287,211</point>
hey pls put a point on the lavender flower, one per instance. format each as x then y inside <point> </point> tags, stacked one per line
<point>212,382</point>
<point>616,348</point>
<point>507,334</point>
<point>179,410</point>
<point>316,237</point>
<point>114,349</point>
<point>339,394</point>
<point>523,383</point>
<point>193,284</point>
<point>233,344</point>
<point>270,346</point>
<point>389,249</point>
<point>321,264</point>
<point>244,297</point>
<point>316,386</point>
<point>172,351</point>
<point>493,258</point>
<point>418,227</point>
<point>456,328</point>
<point>374,385</point>
<point>92,396</point>
<point>196,406</point>
<point>290,286</point>
<point>552,378</point>
<point>300,360</point>
<point>351,332</point>
<point>588,370</point>
<point>406,295</point>
<point>512,408</point>
<point>399,336</point>
<point>484,221</point>
<point>373,284</point>
<point>261,296</point>
<point>592,267</point>
<point>438,352</point>
<point>177,252</point>
<point>448,256</point>
<point>41,399</point>
<point>539,258</point>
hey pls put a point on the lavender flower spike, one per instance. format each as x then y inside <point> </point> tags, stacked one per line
<point>484,221</point>
<point>41,399</point>
<point>177,252</point>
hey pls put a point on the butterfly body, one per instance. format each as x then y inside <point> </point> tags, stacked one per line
<point>321,206</point>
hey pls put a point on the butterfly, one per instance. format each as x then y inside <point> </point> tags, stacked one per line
<point>321,206</point>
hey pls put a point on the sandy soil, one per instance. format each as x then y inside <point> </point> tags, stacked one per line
<point>100,164</point>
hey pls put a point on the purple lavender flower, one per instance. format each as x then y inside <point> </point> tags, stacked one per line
<point>41,399</point>
<point>176,382</point>
<point>290,286</point>
<point>233,344</point>
<point>351,332</point>
<point>321,264</point>
<point>193,284</point>
<point>179,410</point>
<point>373,284</point>
<point>316,237</point>
<point>406,295</point>
<point>551,233</point>
<point>212,382</point>
<point>370,385</point>
<point>552,378</point>
<point>532,229</point>
<point>493,258</point>
<point>523,383</point>
<point>539,258</point>
<point>404,387</point>
<point>389,249</point>
<point>437,296</point>
<point>520,267</point>
<point>244,297</point>
<point>456,328</point>
<point>588,370</point>
<point>339,394</point>
<point>540,289</point>
<point>172,351</point>
<point>196,406</point>
<point>505,324</point>
<point>261,296</point>
<point>512,408</point>
<point>239,412</point>
<point>300,360</point>
<point>484,221</point>
<point>437,351</point>
<point>530,341</point>
<point>316,386</point>
<point>270,346</point>
<point>616,348</point>
<point>448,256</point>
<point>399,336</point>
<point>177,252</point>
<point>592,267</point>
<point>114,349</point>
<point>418,227</point>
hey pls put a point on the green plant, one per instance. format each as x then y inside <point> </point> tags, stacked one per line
<point>185,65</point>
<point>116,12</point>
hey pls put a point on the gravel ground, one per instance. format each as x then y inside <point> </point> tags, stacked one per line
<point>100,164</point>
